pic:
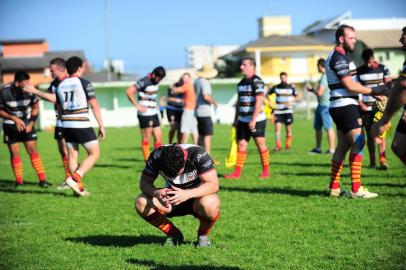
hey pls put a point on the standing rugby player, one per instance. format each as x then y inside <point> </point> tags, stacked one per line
<point>146,104</point>
<point>346,112</point>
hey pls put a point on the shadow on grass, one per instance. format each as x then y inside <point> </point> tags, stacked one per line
<point>129,159</point>
<point>41,192</point>
<point>284,191</point>
<point>113,166</point>
<point>387,185</point>
<point>157,266</point>
<point>117,240</point>
<point>9,183</point>
<point>302,164</point>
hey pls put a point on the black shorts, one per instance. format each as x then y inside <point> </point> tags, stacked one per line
<point>401,128</point>
<point>148,121</point>
<point>367,119</point>
<point>284,118</point>
<point>244,133</point>
<point>183,209</point>
<point>58,133</point>
<point>174,116</point>
<point>79,135</point>
<point>347,118</point>
<point>12,135</point>
<point>205,126</point>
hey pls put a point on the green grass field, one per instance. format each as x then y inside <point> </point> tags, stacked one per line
<point>285,222</point>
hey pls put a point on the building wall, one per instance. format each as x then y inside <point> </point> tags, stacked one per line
<point>274,25</point>
<point>392,58</point>
<point>37,77</point>
<point>35,49</point>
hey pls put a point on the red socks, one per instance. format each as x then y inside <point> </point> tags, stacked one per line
<point>206,225</point>
<point>145,149</point>
<point>355,167</point>
<point>336,168</point>
<point>241,156</point>
<point>17,166</point>
<point>37,165</point>
<point>161,222</point>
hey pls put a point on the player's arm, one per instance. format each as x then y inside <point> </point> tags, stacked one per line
<point>131,93</point>
<point>178,90</point>
<point>209,185</point>
<point>94,105</point>
<point>19,123</point>
<point>51,97</point>
<point>209,99</point>
<point>159,196</point>
<point>396,100</point>
<point>33,118</point>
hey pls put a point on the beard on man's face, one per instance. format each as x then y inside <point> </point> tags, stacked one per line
<point>347,48</point>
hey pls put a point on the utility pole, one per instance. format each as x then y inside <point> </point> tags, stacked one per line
<point>106,32</point>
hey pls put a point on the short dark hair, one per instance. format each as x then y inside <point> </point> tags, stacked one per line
<point>367,54</point>
<point>283,73</point>
<point>341,31</point>
<point>321,62</point>
<point>251,60</point>
<point>159,72</point>
<point>73,64</point>
<point>172,160</point>
<point>59,62</point>
<point>20,76</point>
<point>404,29</point>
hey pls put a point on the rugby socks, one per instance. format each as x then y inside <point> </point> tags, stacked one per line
<point>37,165</point>
<point>145,149</point>
<point>66,166</point>
<point>355,168</point>
<point>206,225</point>
<point>161,222</point>
<point>77,177</point>
<point>288,142</point>
<point>17,166</point>
<point>382,157</point>
<point>241,156</point>
<point>265,163</point>
<point>336,168</point>
<point>278,143</point>
<point>157,144</point>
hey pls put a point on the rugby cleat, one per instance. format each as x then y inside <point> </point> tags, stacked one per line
<point>203,241</point>
<point>363,193</point>
<point>44,184</point>
<point>73,185</point>
<point>314,151</point>
<point>173,240</point>
<point>337,192</point>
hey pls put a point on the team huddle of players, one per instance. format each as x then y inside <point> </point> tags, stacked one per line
<point>191,179</point>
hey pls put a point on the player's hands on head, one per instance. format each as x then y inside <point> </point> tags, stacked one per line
<point>177,195</point>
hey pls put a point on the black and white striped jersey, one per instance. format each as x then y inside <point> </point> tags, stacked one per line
<point>147,92</point>
<point>52,89</point>
<point>73,94</point>
<point>285,96</point>
<point>197,162</point>
<point>15,101</point>
<point>338,66</point>
<point>370,77</point>
<point>248,90</point>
